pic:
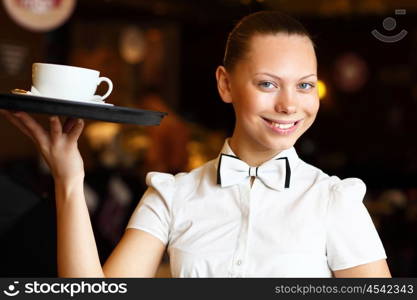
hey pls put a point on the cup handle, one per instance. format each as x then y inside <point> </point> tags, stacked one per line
<point>109,83</point>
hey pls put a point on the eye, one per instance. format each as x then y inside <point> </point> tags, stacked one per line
<point>306,86</point>
<point>266,84</point>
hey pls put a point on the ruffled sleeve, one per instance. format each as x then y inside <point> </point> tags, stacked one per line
<point>351,238</point>
<point>154,211</point>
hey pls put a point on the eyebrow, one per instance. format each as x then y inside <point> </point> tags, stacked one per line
<point>277,77</point>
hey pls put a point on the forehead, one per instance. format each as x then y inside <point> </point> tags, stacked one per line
<point>281,54</point>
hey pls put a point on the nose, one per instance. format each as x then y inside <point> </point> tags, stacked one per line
<point>286,102</point>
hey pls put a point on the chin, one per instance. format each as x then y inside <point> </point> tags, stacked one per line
<point>284,146</point>
<point>280,144</point>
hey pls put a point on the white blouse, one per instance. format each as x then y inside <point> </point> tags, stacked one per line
<point>317,225</point>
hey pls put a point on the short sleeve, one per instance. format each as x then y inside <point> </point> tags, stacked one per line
<point>153,213</point>
<point>351,238</point>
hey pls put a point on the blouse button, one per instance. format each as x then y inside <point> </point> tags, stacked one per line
<point>239,262</point>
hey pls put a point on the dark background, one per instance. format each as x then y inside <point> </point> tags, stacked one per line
<point>368,133</point>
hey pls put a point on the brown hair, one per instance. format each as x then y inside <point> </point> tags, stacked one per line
<point>262,22</point>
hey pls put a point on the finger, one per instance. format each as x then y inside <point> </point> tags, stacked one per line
<point>2,111</point>
<point>16,122</point>
<point>75,132</point>
<point>6,113</point>
<point>55,128</point>
<point>34,128</point>
<point>69,124</point>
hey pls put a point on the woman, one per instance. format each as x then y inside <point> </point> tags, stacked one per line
<point>257,210</point>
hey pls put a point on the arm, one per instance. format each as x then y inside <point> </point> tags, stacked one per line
<point>374,269</point>
<point>138,253</point>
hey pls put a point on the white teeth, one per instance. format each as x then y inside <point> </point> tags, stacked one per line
<point>283,126</point>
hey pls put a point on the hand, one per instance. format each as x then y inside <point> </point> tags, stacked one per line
<point>58,146</point>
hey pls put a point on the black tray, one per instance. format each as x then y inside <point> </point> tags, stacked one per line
<point>108,113</point>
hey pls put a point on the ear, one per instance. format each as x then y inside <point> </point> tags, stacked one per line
<point>223,84</point>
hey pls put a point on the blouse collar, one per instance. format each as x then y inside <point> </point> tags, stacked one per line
<point>290,153</point>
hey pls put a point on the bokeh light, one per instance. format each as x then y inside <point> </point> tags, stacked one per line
<point>321,86</point>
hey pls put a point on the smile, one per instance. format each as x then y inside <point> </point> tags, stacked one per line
<point>282,127</point>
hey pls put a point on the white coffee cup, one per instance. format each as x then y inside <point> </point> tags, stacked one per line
<point>67,82</point>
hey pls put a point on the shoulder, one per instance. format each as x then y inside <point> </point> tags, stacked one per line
<point>168,185</point>
<point>340,197</point>
<point>330,183</point>
<point>348,189</point>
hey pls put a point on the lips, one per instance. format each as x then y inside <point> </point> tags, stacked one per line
<point>281,126</point>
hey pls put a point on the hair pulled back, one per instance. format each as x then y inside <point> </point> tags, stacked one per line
<point>262,22</point>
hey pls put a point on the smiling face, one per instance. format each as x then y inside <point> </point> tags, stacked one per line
<point>273,90</point>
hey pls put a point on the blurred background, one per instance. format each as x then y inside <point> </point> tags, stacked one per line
<point>162,55</point>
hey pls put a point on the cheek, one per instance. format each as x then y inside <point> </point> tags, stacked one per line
<point>311,105</point>
<point>250,103</point>
<point>244,109</point>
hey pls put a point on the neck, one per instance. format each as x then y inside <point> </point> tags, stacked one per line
<point>249,151</point>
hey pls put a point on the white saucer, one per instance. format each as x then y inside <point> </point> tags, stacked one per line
<point>93,102</point>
